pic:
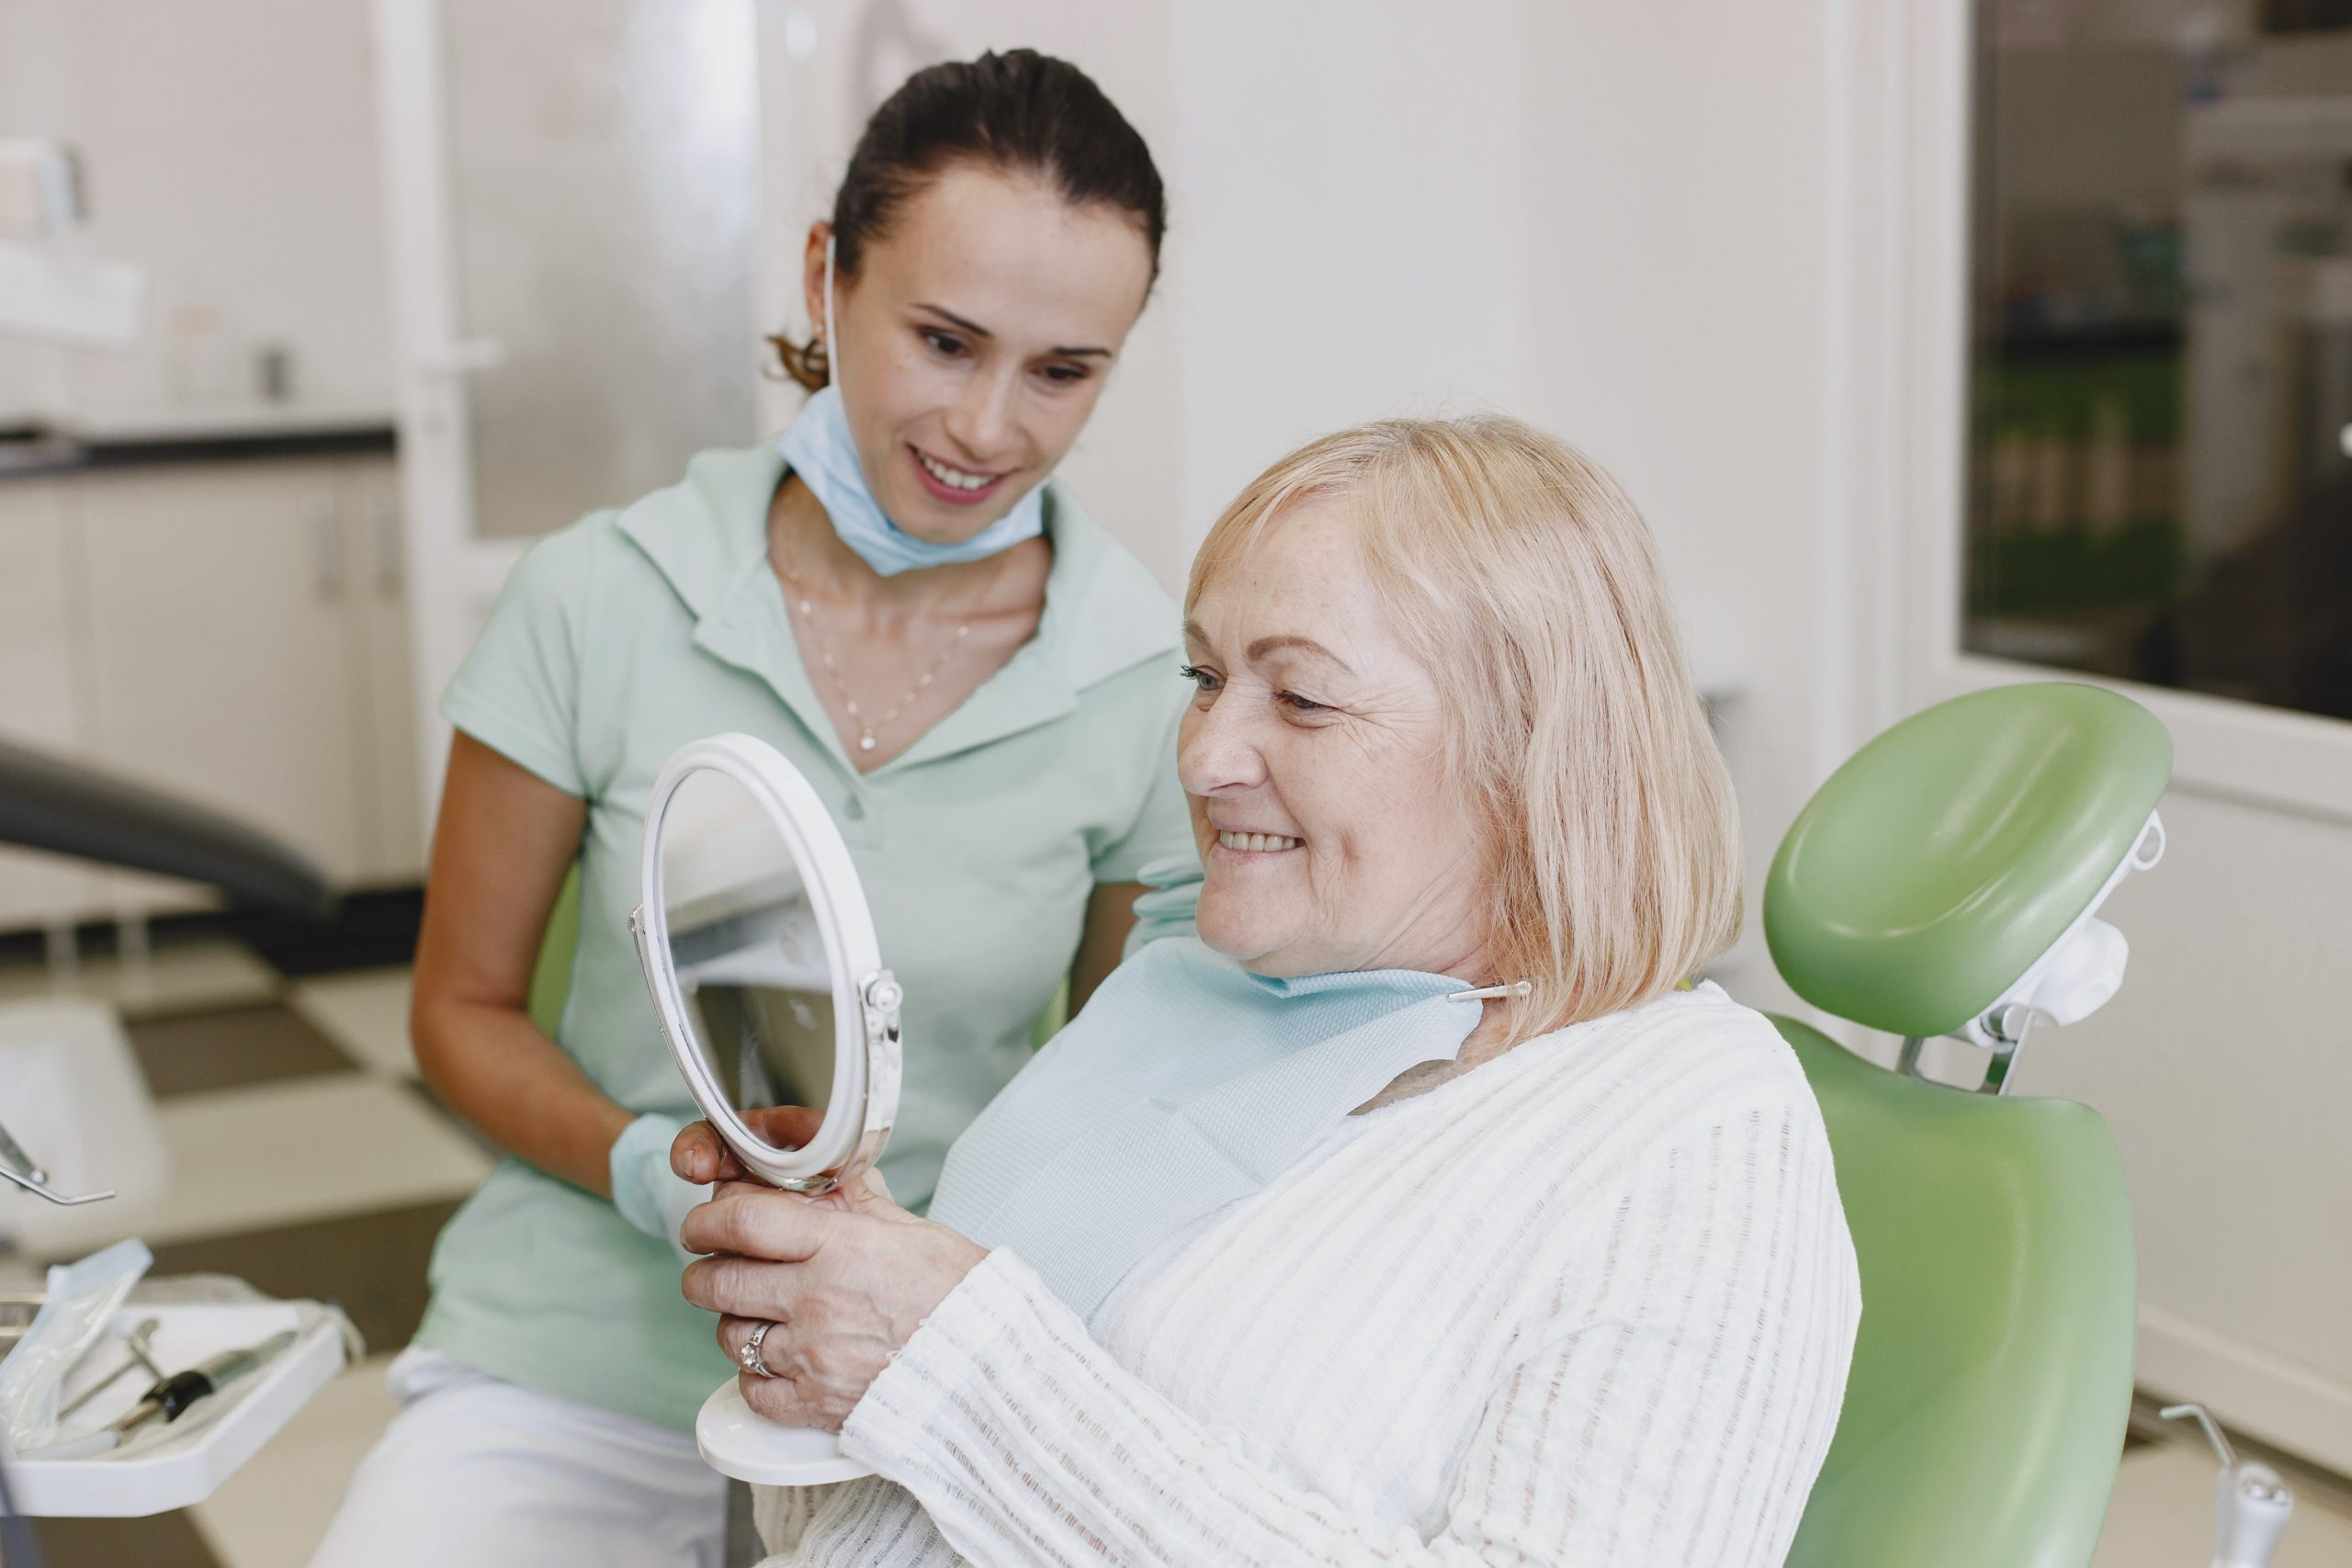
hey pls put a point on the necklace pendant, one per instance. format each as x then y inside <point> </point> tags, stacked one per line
<point>866,741</point>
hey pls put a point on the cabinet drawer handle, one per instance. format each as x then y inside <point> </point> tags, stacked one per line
<point>326,548</point>
<point>384,530</point>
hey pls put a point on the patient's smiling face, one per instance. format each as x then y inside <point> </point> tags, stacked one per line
<point>1314,760</point>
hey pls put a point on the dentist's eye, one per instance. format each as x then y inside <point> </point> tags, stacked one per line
<point>945,343</point>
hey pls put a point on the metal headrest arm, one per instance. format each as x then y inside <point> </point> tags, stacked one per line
<point>2074,978</point>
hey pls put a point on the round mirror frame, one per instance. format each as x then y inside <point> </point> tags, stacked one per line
<point>867,997</point>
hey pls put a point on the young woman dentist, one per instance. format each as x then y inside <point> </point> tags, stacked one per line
<point>974,676</point>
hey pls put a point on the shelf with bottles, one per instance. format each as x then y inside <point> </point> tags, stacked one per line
<point>2142,561</point>
<point>2077,470</point>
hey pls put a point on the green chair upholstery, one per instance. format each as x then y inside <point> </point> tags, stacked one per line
<point>1992,1373</point>
<point>1948,855</point>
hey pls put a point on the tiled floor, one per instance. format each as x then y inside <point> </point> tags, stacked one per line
<point>308,1160</point>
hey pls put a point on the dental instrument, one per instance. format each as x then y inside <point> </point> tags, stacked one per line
<point>138,1342</point>
<point>172,1397</point>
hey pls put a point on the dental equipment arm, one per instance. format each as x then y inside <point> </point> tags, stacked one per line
<point>44,294</point>
<point>65,808</point>
<point>2250,1503</point>
<point>49,804</point>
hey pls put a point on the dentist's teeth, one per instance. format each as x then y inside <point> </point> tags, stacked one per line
<point>1255,843</point>
<point>955,478</point>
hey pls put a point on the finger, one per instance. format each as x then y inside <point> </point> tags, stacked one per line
<point>699,1155</point>
<point>743,1287</point>
<point>742,1184</point>
<point>778,1399</point>
<point>759,1222</point>
<point>735,1332</point>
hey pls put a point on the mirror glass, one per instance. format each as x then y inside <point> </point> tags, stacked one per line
<point>750,959</point>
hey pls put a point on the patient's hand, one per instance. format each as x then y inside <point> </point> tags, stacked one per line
<point>846,1280</point>
<point>700,1156</point>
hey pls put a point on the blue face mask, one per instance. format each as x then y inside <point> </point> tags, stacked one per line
<point>820,450</point>
<point>1187,1083</point>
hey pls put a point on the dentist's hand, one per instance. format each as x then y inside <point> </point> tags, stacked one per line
<point>844,1280</point>
<point>652,1195</point>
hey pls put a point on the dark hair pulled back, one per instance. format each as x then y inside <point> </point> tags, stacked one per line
<point>1018,112</point>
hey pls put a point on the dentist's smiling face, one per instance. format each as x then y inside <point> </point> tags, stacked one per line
<point>1314,760</point>
<point>975,340</point>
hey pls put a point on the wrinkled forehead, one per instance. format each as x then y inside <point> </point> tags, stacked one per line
<point>1321,517</point>
<point>1299,572</point>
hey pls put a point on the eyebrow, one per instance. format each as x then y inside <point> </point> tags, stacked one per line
<point>978,331</point>
<point>1266,645</point>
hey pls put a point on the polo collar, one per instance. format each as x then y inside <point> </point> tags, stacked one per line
<point>706,535</point>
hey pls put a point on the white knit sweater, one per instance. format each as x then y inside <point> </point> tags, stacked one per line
<point>1590,1304</point>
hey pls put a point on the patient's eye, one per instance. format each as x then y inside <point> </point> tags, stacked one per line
<point>1201,678</point>
<point>1297,704</point>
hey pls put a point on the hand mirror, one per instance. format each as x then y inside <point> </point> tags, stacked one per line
<point>760,953</point>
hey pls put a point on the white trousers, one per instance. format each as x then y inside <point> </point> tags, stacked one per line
<point>476,1472</point>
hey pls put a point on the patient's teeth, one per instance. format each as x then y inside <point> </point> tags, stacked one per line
<point>1255,843</point>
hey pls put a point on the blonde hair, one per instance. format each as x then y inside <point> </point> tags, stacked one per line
<point>1523,579</point>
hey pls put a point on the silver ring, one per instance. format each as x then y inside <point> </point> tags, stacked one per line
<point>747,1354</point>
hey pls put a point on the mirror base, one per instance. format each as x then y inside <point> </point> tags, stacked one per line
<point>740,1442</point>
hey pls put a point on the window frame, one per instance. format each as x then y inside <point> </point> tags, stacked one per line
<point>2224,747</point>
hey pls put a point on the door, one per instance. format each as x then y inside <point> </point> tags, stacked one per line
<point>571,202</point>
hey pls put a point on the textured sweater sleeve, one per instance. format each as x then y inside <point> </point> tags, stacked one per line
<point>1666,1391</point>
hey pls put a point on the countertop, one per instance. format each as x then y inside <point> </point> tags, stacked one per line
<point>37,451</point>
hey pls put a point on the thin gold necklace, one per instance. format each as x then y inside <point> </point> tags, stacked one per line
<point>868,732</point>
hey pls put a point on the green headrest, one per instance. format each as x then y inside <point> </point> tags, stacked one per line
<point>1943,860</point>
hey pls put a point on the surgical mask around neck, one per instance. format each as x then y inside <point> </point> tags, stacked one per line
<point>823,452</point>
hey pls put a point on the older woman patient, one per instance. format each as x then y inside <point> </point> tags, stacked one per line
<point>1578,1292</point>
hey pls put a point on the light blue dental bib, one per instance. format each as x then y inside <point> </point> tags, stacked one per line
<point>1186,1083</point>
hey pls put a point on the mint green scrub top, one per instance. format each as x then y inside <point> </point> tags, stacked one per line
<point>622,637</point>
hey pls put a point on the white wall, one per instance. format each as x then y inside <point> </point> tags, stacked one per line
<point>1347,212</point>
<point>229,151</point>
<point>1674,295</point>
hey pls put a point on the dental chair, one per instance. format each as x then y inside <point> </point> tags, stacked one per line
<point>1944,882</point>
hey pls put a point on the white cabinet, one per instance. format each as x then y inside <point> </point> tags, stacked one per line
<point>41,685</point>
<point>233,632</point>
<point>391,842</point>
<point>222,638</point>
